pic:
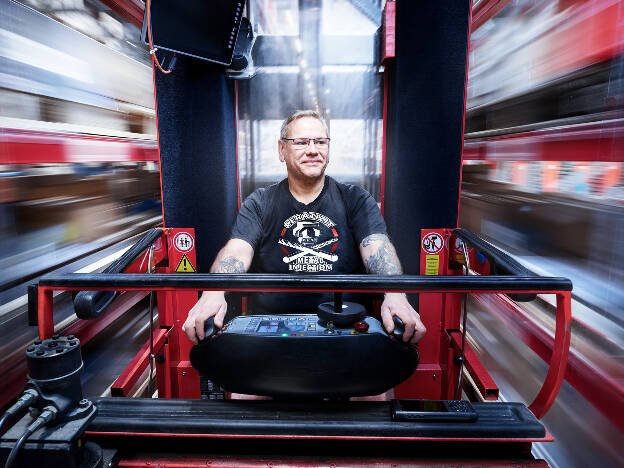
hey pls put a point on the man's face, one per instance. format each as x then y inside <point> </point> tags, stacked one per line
<point>308,162</point>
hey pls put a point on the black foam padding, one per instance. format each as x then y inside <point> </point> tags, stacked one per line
<point>307,419</point>
<point>305,367</point>
<point>425,122</point>
<point>91,304</point>
<point>197,142</point>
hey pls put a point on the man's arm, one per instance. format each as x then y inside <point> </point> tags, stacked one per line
<point>380,258</point>
<point>234,257</point>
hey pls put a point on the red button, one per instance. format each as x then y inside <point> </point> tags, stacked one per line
<point>360,327</point>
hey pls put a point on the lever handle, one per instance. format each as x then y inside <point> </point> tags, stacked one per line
<point>399,328</point>
<point>209,329</point>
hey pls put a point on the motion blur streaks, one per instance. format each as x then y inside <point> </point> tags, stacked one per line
<point>542,174</point>
<point>543,179</point>
<point>77,142</point>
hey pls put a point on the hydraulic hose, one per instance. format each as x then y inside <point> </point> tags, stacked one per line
<point>47,415</point>
<point>29,397</point>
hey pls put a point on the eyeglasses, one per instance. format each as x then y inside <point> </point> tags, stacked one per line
<point>301,143</point>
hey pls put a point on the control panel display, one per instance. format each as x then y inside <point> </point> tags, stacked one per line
<point>285,325</point>
<point>294,326</point>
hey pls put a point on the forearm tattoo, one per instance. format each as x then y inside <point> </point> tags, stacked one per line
<point>229,265</point>
<point>384,260</point>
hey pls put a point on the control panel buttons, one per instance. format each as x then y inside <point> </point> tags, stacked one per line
<point>360,327</point>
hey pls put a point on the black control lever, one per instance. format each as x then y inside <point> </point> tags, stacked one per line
<point>209,329</point>
<point>399,328</point>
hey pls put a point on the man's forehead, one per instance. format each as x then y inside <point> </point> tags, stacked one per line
<point>306,127</point>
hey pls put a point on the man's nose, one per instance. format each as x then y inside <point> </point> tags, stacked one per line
<point>311,148</point>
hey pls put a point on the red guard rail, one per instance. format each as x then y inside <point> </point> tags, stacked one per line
<point>561,287</point>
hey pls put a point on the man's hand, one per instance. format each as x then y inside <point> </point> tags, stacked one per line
<point>397,304</point>
<point>234,257</point>
<point>380,258</point>
<point>211,304</point>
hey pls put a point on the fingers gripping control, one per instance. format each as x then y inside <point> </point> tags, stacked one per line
<point>399,328</point>
<point>209,329</point>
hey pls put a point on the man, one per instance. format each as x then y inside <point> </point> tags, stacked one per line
<point>307,223</point>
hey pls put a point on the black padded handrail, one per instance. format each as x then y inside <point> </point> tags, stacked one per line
<point>285,282</point>
<point>91,304</point>
<point>500,262</point>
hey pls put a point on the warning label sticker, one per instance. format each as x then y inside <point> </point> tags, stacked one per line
<point>433,243</point>
<point>432,265</point>
<point>183,242</point>
<point>185,266</point>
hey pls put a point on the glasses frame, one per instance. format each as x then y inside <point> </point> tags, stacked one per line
<point>309,140</point>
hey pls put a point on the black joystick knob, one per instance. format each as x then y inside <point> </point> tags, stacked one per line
<point>209,329</point>
<point>399,328</point>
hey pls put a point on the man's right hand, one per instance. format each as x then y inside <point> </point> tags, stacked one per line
<point>210,304</point>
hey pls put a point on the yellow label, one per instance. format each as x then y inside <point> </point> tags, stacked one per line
<point>185,266</point>
<point>432,265</point>
<point>459,258</point>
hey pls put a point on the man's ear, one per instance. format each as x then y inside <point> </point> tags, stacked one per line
<point>280,150</point>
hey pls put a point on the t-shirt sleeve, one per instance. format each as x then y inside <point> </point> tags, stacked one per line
<point>248,224</point>
<point>365,215</point>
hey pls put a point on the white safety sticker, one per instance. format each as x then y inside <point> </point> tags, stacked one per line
<point>433,243</point>
<point>183,242</point>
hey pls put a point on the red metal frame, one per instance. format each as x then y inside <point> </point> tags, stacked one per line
<point>131,10</point>
<point>485,10</point>
<point>145,462</point>
<point>485,384</point>
<point>38,147</point>
<point>540,405</point>
<point>130,376</point>
<point>596,141</point>
<point>388,37</point>
<point>602,390</point>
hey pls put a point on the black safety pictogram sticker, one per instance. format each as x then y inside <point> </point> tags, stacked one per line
<point>185,266</point>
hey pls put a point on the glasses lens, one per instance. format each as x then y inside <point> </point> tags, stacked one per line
<point>304,142</point>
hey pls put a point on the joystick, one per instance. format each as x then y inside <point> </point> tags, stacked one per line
<point>343,315</point>
<point>399,328</point>
<point>209,329</point>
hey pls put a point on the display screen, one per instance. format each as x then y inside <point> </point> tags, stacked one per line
<point>280,326</point>
<point>203,29</point>
<point>420,406</point>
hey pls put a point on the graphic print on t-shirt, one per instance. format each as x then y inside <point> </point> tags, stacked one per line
<point>309,241</point>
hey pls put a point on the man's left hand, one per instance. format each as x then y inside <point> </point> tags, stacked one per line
<point>397,304</point>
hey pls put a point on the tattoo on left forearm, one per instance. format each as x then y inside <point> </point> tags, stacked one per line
<point>384,260</point>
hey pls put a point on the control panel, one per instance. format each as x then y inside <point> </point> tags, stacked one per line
<point>304,356</point>
<point>296,326</point>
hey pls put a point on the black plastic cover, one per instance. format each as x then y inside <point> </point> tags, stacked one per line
<point>325,365</point>
<point>91,304</point>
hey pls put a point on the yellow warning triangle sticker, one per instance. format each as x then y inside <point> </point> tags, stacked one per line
<point>185,266</point>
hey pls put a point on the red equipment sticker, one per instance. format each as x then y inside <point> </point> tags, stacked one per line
<point>183,242</point>
<point>433,243</point>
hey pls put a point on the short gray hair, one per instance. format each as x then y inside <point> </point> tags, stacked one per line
<point>298,115</point>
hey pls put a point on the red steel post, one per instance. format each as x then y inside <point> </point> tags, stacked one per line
<point>556,370</point>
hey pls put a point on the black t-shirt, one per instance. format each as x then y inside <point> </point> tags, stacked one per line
<point>291,237</point>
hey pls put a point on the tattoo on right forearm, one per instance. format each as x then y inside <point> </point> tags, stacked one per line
<point>229,265</point>
<point>384,260</point>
